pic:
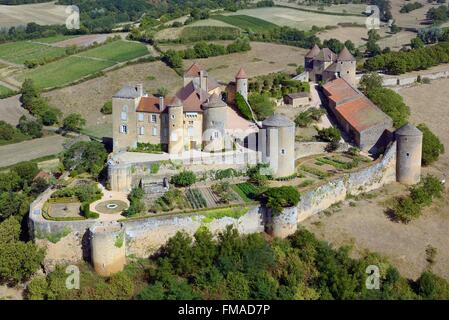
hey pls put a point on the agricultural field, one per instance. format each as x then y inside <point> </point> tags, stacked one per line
<point>413,19</point>
<point>246,22</point>
<point>247,191</point>
<point>175,33</point>
<point>298,19</point>
<point>41,13</point>
<point>19,52</point>
<point>89,96</point>
<point>335,8</point>
<point>72,68</point>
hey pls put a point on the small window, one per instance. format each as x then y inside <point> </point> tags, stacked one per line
<point>123,129</point>
<point>216,134</point>
<point>153,118</point>
<point>125,108</point>
<point>141,131</point>
<point>408,154</point>
<point>190,131</point>
<point>283,151</point>
<point>172,116</point>
<point>154,131</point>
<point>140,116</point>
<point>124,116</point>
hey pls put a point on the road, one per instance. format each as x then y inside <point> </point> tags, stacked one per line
<point>31,149</point>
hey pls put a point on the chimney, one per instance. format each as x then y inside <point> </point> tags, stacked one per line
<point>139,89</point>
<point>203,80</point>
<point>161,103</point>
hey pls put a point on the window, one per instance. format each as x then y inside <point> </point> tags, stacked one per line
<point>140,116</point>
<point>154,131</point>
<point>172,116</point>
<point>216,134</point>
<point>153,118</point>
<point>125,108</point>
<point>141,131</point>
<point>283,151</point>
<point>123,129</point>
<point>191,122</point>
<point>190,131</point>
<point>124,116</point>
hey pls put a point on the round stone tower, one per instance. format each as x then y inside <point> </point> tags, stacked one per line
<point>409,152</point>
<point>280,145</point>
<point>108,248</point>
<point>241,83</point>
<point>347,66</point>
<point>176,127</point>
<point>214,120</point>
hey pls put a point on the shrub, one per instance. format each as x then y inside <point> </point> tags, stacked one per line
<point>184,179</point>
<point>74,122</point>
<point>281,197</point>
<point>431,145</point>
<point>329,134</point>
<point>85,210</point>
<point>107,107</point>
<point>7,131</point>
<point>85,156</point>
<point>136,204</point>
<point>307,117</point>
<point>391,103</point>
<point>406,210</point>
<point>243,107</point>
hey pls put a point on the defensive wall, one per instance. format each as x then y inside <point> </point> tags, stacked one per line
<point>72,241</point>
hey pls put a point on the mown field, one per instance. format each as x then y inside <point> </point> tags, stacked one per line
<point>75,67</point>
<point>19,52</point>
<point>246,22</point>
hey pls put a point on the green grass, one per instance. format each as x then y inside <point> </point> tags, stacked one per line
<point>209,33</point>
<point>235,213</point>
<point>19,52</point>
<point>247,191</point>
<point>17,137</point>
<point>99,131</point>
<point>117,51</point>
<point>316,172</point>
<point>65,71</point>
<point>246,22</point>
<point>4,90</point>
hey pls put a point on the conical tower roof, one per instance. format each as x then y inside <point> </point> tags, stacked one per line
<point>241,74</point>
<point>214,101</point>
<point>278,120</point>
<point>313,52</point>
<point>345,55</point>
<point>408,130</point>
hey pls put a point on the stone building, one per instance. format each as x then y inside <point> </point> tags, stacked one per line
<point>325,65</point>
<point>177,123</point>
<point>298,99</point>
<point>409,154</point>
<point>361,120</point>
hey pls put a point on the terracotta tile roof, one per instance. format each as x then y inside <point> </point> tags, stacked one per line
<point>361,113</point>
<point>194,71</point>
<point>313,52</point>
<point>212,84</point>
<point>151,104</point>
<point>192,97</point>
<point>339,90</point>
<point>241,74</point>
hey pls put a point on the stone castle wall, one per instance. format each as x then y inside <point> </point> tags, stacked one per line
<point>145,236</point>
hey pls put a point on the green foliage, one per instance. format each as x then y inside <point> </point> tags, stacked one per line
<point>432,147</point>
<point>30,127</point>
<point>276,85</point>
<point>171,200</point>
<point>85,157</point>
<point>406,8</point>
<point>262,105</point>
<point>370,81</point>
<point>259,174</point>
<point>280,197</point>
<point>196,199</point>
<point>331,134</point>
<point>246,22</point>
<point>9,134</point>
<point>184,179</point>
<point>208,33</point>
<point>148,148</point>
<point>107,107</point>
<point>26,170</point>
<point>136,204</point>
<point>391,103</point>
<point>307,117</point>
<point>243,107</point>
<point>84,192</point>
<point>119,240</point>
<point>73,122</point>
<point>224,191</point>
<point>225,174</point>
<point>432,287</point>
<point>9,181</point>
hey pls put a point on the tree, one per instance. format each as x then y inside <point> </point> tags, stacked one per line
<point>370,81</point>
<point>184,179</point>
<point>9,181</point>
<point>107,107</point>
<point>172,58</point>
<point>74,122</point>
<point>30,127</point>
<point>13,204</point>
<point>85,156</point>
<point>331,134</point>
<point>162,92</point>
<point>27,171</point>
<point>417,43</point>
<point>432,287</point>
<point>431,145</point>
<point>51,116</point>
<point>262,105</point>
<point>391,103</point>
<point>7,131</point>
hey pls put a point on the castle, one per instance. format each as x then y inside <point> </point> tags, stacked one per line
<point>196,117</point>
<point>325,65</point>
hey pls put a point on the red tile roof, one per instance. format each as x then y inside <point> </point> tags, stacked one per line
<point>151,104</point>
<point>313,52</point>
<point>241,74</point>
<point>193,71</point>
<point>339,90</point>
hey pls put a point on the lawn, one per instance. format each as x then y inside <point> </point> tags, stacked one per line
<point>117,51</point>
<point>19,52</point>
<point>4,90</point>
<point>65,71</point>
<point>246,22</point>
<point>99,131</point>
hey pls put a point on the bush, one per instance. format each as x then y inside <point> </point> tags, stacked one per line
<point>184,179</point>
<point>305,118</point>
<point>431,146</point>
<point>73,122</point>
<point>85,210</point>
<point>262,105</point>
<point>242,106</point>
<point>391,103</point>
<point>136,204</point>
<point>281,197</point>
<point>85,156</point>
<point>7,131</point>
<point>107,108</point>
<point>406,210</point>
<point>329,134</point>
<point>30,127</point>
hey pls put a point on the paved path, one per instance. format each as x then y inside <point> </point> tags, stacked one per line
<point>31,149</point>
